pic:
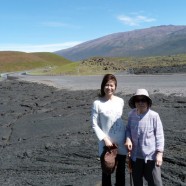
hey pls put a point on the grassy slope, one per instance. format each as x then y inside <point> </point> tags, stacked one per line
<point>45,63</point>
<point>21,61</point>
<point>56,64</point>
<point>157,61</point>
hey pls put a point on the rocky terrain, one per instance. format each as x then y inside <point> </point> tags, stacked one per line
<point>108,64</point>
<point>46,136</point>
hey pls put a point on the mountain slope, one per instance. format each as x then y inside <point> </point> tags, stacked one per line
<point>160,40</point>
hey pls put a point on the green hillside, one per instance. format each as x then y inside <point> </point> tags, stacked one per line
<point>136,65</point>
<point>45,63</point>
<point>40,62</point>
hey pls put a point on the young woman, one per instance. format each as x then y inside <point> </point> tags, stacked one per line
<point>145,140</point>
<point>109,126</point>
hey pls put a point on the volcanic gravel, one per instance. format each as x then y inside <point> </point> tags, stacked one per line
<point>46,136</point>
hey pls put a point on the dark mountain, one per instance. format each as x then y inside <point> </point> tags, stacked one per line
<point>160,40</point>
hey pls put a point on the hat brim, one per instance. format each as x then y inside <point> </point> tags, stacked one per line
<point>132,101</point>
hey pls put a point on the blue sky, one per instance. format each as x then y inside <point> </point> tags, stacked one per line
<point>51,25</point>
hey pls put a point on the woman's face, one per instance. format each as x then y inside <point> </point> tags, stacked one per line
<point>110,88</point>
<point>141,103</point>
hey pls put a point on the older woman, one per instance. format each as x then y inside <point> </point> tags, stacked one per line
<point>144,140</point>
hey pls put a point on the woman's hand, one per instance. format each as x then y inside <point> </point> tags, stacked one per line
<point>159,158</point>
<point>128,144</point>
<point>108,142</point>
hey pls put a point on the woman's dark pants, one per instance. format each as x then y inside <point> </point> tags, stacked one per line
<point>149,171</point>
<point>120,173</point>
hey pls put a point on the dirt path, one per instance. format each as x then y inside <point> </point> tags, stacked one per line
<point>166,84</point>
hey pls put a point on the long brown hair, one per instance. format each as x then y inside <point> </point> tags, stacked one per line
<point>106,78</point>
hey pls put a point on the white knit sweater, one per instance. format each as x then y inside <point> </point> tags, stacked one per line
<point>107,121</point>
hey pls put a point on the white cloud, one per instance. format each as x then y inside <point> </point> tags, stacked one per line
<point>38,48</point>
<point>134,20</point>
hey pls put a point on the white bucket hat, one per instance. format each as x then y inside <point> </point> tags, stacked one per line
<point>140,92</point>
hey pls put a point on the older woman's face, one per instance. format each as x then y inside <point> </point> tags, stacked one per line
<point>141,103</point>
